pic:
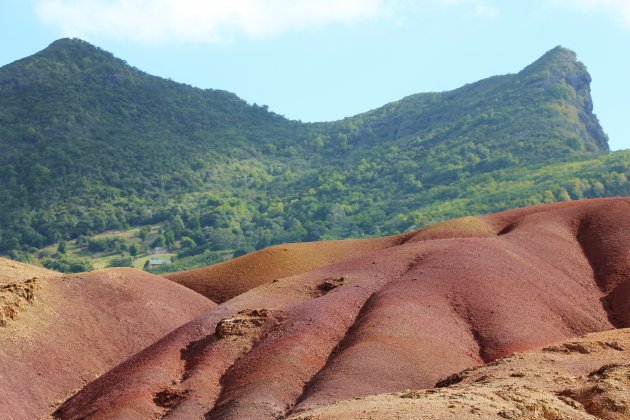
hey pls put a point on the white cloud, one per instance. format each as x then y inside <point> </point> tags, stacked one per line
<point>214,21</point>
<point>222,21</point>
<point>482,10</point>
<point>618,8</point>
<point>477,8</point>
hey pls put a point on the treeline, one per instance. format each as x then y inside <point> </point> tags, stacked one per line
<point>89,144</point>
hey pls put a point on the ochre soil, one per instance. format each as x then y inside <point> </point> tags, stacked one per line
<point>397,317</point>
<point>226,280</point>
<point>582,378</point>
<point>57,333</point>
<point>13,272</point>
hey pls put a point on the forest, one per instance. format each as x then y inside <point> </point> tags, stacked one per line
<point>90,145</point>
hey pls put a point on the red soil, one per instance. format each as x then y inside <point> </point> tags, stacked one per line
<point>223,281</point>
<point>13,271</point>
<point>63,332</point>
<point>582,378</point>
<point>450,297</point>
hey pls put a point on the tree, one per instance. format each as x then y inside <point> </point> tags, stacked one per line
<point>61,248</point>
<point>121,262</point>
<point>144,232</point>
<point>169,237</point>
<point>159,242</point>
<point>242,251</point>
<point>82,241</point>
<point>133,250</point>
<point>176,225</point>
<point>68,265</point>
<point>187,242</point>
<point>96,245</point>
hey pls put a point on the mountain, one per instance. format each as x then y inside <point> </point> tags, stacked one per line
<point>451,311</point>
<point>89,144</point>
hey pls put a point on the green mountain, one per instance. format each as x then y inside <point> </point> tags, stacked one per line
<point>89,144</point>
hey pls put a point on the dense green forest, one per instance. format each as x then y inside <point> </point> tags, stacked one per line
<point>89,144</point>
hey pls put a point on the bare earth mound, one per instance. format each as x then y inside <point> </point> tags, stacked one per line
<point>583,378</point>
<point>63,332</point>
<point>17,281</point>
<point>457,295</point>
<point>13,271</point>
<point>223,281</point>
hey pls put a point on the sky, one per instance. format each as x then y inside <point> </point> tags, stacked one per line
<point>321,60</point>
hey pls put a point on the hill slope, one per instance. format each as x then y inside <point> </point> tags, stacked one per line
<point>13,272</point>
<point>223,281</point>
<point>62,332</point>
<point>585,378</point>
<point>88,144</point>
<point>450,297</point>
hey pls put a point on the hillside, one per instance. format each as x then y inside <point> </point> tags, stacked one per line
<point>89,144</point>
<point>444,307</point>
<point>223,281</point>
<point>58,333</point>
<point>13,272</point>
<point>584,378</point>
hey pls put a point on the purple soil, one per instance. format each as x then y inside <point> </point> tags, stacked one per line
<point>223,281</point>
<point>455,295</point>
<point>75,328</point>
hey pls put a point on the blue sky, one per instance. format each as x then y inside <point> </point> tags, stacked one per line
<point>317,60</point>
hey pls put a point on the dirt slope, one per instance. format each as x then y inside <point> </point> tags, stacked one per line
<point>450,297</point>
<point>17,281</point>
<point>13,271</point>
<point>583,378</point>
<point>66,331</point>
<point>223,281</point>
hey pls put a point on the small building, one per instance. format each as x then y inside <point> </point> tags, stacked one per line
<point>155,262</point>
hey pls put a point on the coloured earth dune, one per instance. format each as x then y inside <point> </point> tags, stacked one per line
<point>456,297</point>
<point>13,271</point>
<point>583,378</point>
<point>61,332</point>
<point>225,280</point>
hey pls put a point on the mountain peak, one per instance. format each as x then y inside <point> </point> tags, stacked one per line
<point>560,73</point>
<point>558,63</point>
<point>70,48</point>
<point>70,43</point>
<point>66,61</point>
<point>559,53</point>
